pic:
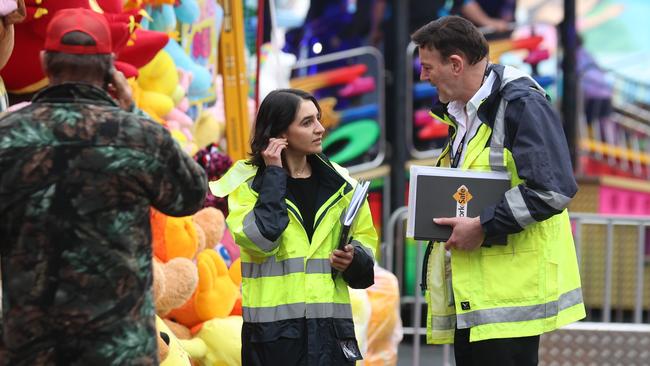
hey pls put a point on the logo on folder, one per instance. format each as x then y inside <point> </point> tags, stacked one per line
<point>462,197</point>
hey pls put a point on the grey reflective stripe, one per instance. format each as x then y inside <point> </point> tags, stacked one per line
<point>365,249</point>
<point>298,310</point>
<point>253,233</point>
<point>520,313</point>
<point>498,137</point>
<point>443,322</point>
<point>329,310</point>
<point>319,266</point>
<point>273,313</point>
<point>556,200</point>
<point>270,267</point>
<point>518,207</point>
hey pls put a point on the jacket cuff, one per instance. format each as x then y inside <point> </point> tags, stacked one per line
<point>493,236</point>
<point>360,273</point>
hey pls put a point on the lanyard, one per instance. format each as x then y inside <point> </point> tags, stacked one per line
<point>455,158</point>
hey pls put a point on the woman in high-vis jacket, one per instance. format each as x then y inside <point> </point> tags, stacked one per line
<point>285,205</point>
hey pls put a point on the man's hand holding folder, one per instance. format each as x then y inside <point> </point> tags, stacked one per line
<point>466,234</point>
<point>343,255</point>
<point>454,199</point>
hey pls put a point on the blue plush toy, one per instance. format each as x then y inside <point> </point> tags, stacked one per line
<point>187,11</point>
<point>201,79</point>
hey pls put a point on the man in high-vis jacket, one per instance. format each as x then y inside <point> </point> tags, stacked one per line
<point>493,301</point>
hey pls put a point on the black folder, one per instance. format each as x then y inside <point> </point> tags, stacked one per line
<point>445,192</point>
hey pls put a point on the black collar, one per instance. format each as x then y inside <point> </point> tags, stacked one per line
<point>329,179</point>
<point>74,93</point>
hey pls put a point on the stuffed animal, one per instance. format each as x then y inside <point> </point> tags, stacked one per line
<point>213,224</point>
<point>216,293</point>
<point>235,276</point>
<point>173,236</point>
<point>174,282</point>
<point>23,72</point>
<point>222,336</point>
<point>170,350</point>
<point>215,296</point>
<point>7,7</point>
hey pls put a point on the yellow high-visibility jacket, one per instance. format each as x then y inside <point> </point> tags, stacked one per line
<point>288,287</point>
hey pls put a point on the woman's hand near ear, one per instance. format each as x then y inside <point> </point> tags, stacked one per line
<point>273,153</point>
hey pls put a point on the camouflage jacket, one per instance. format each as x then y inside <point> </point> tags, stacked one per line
<point>77,178</point>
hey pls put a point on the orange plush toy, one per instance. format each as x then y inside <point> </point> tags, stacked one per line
<point>216,294</point>
<point>174,236</point>
<point>235,276</point>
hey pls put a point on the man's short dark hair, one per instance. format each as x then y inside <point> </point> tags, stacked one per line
<point>78,68</point>
<point>452,35</point>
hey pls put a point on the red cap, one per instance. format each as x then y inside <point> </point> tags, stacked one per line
<point>82,20</point>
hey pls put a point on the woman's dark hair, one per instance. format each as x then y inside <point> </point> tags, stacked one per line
<point>276,113</point>
<point>79,68</point>
<point>452,35</point>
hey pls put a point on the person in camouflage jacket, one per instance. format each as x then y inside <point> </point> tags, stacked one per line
<point>78,174</point>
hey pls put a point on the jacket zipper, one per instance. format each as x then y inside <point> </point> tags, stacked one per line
<point>338,198</point>
<point>320,218</point>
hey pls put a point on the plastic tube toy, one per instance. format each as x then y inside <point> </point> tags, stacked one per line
<point>358,86</point>
<point>424,90</point>
<point>356,138</point>
<point>342,75</point>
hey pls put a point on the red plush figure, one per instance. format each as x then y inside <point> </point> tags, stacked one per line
<point>132,46</point>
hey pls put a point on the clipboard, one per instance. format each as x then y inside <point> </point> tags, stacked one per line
<point>447,192</point>
<point>348,217</point>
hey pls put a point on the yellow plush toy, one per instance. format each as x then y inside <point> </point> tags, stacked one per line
<point>170,350</point>
<point>222,336</point>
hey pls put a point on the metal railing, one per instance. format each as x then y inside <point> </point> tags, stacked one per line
<point>394,262</point>
<point>622,239</point>
<point>594,235</point>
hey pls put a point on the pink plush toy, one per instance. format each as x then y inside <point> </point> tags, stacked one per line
<point>7,7</point>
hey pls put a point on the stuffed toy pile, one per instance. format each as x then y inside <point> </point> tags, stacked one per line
<point>197,297</point>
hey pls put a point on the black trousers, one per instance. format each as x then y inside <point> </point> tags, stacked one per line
<point>498,352</point>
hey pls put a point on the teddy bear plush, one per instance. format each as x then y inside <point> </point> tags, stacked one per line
<point>215,295</point>
<point>174,282</point>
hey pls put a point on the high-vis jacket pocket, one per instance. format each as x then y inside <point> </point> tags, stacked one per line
<point>441,314</point>
<point>347,341</point>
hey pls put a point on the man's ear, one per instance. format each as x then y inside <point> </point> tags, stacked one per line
<point>41,56</point>
<point>457,64</point>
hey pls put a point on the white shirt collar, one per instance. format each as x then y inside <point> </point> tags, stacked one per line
<point>465,117</point>
<point>457,108</point>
